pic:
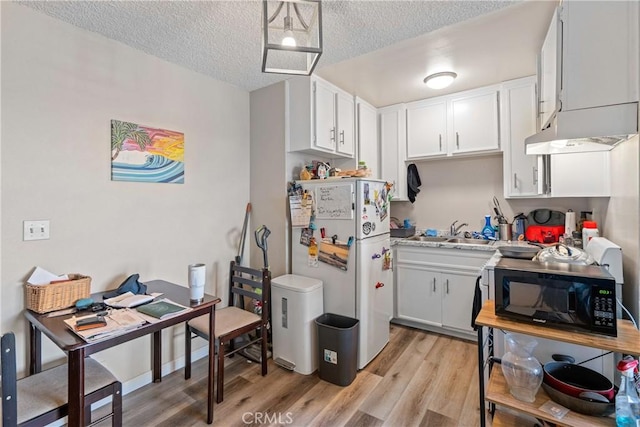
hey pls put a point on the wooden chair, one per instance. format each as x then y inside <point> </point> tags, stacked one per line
<point>41,399</point>
<point>245,284</point>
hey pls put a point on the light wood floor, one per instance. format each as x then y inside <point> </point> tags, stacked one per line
<point>419,379</point>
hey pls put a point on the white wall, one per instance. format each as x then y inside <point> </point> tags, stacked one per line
<point>622,224</point>
<point>268,176</point>
<point>462,189</point>
<point>61,86</point>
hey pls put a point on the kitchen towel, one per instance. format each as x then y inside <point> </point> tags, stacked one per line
<point>413,182</point>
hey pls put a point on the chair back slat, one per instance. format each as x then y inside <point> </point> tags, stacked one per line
<point>260,279</point>
<point>246,270</point>
<point>247,293</point>
<point>9,381</point>
<point>247,281</point>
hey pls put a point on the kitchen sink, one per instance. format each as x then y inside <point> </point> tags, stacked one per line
<point>468,241</point>
<point>428,238</point>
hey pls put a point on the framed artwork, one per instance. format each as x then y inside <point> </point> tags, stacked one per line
<point>145,154</point>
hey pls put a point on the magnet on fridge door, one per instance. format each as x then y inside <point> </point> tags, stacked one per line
<point>386,262</point>
<point>313,253</point>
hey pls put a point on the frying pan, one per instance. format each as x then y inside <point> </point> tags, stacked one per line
<point>574,379</point>
<point>580,404</point>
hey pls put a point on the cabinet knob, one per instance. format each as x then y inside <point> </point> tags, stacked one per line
<point>446,283</point>
<point>342,137</point>
<point>440,141</point>
<point>515,180</point>
<point>332,131</point>
<point>434,284</point>
<point>535,175</point>
<point>457,141</point>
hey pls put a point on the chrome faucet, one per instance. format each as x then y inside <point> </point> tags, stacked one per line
<point>453,230</point>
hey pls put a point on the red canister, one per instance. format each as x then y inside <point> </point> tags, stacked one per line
<point>544,233</point>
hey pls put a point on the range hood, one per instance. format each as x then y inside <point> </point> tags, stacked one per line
<point>586,130</point>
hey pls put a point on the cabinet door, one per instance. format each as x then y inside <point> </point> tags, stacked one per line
<point>475,123</point>
<point>548,72</point>
<point>581,175</point>
<point>426,129</point>
<point>393,149</point>
<point>325,130</point>
<point>346,119</point>
<point>367,137</point>
<point>457,300</point>
<point>522,176</point>
<point>418,293</point>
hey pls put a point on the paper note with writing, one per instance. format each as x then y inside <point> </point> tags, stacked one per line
<point>334,201</point>
<point>300,210</point>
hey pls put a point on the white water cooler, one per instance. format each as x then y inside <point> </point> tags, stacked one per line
<point>296,301</point>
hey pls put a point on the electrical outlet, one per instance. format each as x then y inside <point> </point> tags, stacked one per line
<point>35,230</point>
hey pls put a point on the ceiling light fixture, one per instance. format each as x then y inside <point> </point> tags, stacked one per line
<point>291,36</point>
<point>440,80</point>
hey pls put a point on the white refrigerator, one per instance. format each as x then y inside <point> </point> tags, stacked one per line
<point>351,226</point>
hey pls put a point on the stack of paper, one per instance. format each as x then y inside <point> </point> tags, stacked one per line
<point>118,322</point>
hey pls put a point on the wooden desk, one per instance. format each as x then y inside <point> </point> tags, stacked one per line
<point>77,349</point>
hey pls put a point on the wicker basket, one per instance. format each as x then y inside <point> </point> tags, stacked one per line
<point>56,296</point>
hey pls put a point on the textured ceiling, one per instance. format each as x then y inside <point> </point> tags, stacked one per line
<point>222,39</point>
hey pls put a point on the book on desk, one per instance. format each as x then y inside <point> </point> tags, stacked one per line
<point>162,309</point>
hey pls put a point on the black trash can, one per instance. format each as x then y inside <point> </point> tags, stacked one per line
<point>337,348</point>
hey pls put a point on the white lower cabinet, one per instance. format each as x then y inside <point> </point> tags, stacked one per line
<point>435,288</point>
<point>419,296</point>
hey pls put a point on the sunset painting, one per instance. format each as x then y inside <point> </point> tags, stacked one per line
<point>144,154</point>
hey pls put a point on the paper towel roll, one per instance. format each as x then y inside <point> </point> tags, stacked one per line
<point>569,222</point>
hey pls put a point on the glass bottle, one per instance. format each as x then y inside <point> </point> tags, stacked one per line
<point>627,401</point>
<point>521,370</point>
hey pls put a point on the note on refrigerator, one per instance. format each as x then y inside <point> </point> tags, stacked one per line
<point>300,207</point>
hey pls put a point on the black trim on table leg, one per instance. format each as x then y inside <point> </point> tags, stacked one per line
<point>481,377</point>
<point>76,388</point>
<point>211,379</point>
<point>156,338</point>
<point>35,338</point>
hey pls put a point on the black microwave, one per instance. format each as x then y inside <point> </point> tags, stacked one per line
<point>566,296</point>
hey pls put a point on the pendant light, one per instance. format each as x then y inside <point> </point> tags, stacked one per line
<point>291,36</point>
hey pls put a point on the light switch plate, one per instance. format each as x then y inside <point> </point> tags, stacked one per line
<point>35,230</point>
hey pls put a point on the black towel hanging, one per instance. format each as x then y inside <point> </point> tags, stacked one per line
<point>413,182</point>
<point>477,304</point>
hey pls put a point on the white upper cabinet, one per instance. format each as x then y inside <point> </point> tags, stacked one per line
<point>426,128</point>
<point>321,118</point>
<point>325,120</point>
<point>463,123</point>
<point>367,136</point>
<point>548,72</point>
<point>392,131</point>
<point>522,173</point>
<point>475,121</point>
<point>581,174</point>
<point>560,175</point>
<point>589,57</point>
<point>345,124</point>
